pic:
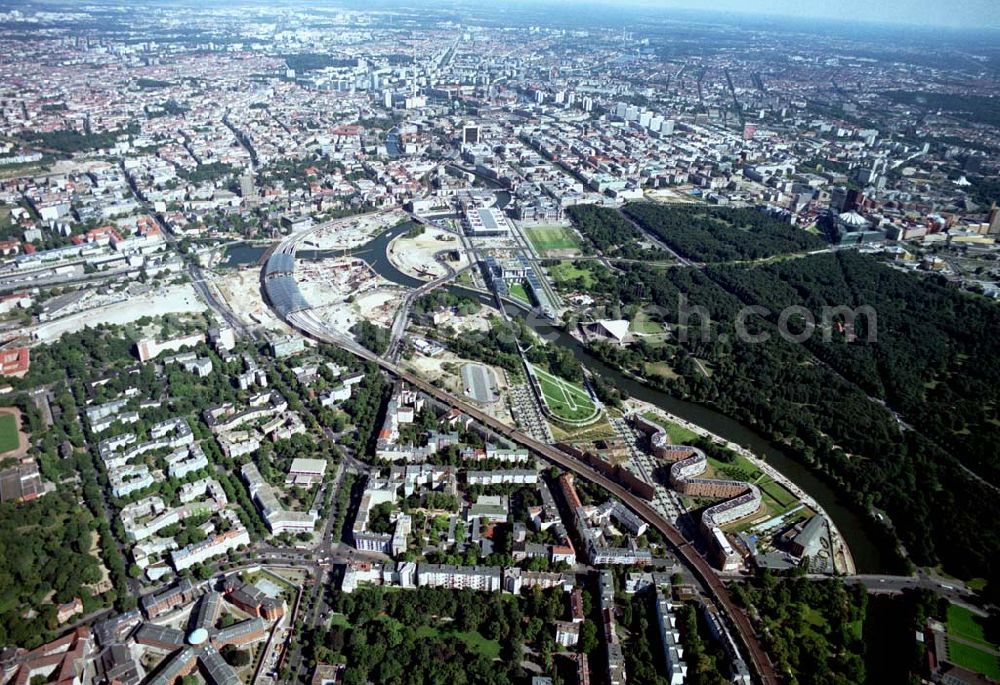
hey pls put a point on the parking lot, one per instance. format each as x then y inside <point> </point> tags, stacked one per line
<point>528,414</point>
<point>479,383</point>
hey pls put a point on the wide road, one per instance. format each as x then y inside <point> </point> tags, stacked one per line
<point>306,323</point>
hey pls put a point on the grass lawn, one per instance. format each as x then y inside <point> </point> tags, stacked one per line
<point>973,659</point>
<point>567,273</point>
<point>774,495</point>
<point>546,238</point>
<point>645,327</point>
<point>777,492</point>
<point>473,639</point>
<point>339,620</point>
<point>679,435</point>
<point>977,584</point>
<point>8,434</point>
<point>599,430</point>
<point>565,400</point>
<point>518,292</point>
<point>23,169</point>
<point>965,624</point>
<point>741,467</point>
<point>816,621</point>
<point>659,369</point>
<point>642,324</point>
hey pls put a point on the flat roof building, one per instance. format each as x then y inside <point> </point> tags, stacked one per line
<point>485,222</point>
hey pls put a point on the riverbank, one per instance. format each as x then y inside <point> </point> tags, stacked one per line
<point>866,541</point>
<point>842,558</point>
<point>418,257</point>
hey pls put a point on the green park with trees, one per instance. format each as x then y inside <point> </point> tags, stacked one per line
<point>830,401</point>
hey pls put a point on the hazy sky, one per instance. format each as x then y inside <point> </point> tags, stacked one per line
<point>963,13</point>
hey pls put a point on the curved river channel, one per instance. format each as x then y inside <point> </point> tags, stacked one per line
<point>869,546</point>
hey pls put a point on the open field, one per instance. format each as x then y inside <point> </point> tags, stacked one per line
<point>659,369</point>
<point>13,440</point>
<point>599,430</point>
<point>25,169</point>
<point>973,659</point>
<point>679,435</point>
<point>518,292</point>
<point>472,639</point>
<point>565,400</point>
<point>9,439</point>
<point>774,496</point>
<point>176,299</point>
<point>545,238</point>
<point>966,625</point>
<point>567,273</point>
<point>643,325</point>
<point>353,231</point>
<point>777,497</point>
<point>339,621</point>
<point>416,256</point>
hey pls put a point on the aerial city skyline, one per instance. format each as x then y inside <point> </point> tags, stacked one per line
<point>968,14</point>
<point>536,343</point>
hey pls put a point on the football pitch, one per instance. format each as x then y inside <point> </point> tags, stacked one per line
<point>8,433</point>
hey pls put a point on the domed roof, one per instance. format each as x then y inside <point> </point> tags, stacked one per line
<point>852,219</point>
<point>198,636</point>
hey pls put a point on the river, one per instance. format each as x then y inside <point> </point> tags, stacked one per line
<point>869,546</point>
<point>241,254</point>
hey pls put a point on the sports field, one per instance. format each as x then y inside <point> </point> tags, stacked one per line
<point>566,401</point>
<point>545,238</point>
<point>8,433</point>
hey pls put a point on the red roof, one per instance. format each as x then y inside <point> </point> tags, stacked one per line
<point>347,131</point>
<point>65,654</point>
<point>147,226</point>
<point>15,361</point>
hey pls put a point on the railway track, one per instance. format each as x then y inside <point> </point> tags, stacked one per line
<point>312,327</point>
